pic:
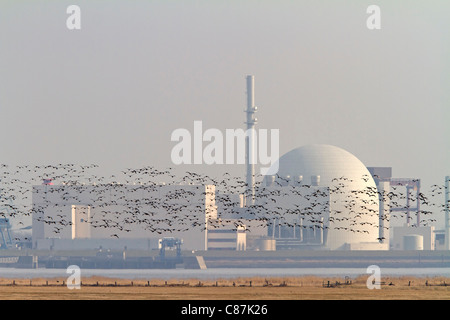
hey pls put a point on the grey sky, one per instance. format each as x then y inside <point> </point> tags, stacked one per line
<point>113,92</point>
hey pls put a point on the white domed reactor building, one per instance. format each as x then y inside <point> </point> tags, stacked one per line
<point>322,197</point>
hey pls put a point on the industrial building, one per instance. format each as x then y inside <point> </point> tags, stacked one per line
<point>226,235</point>
<point>412,229</point>
<point>115,215</point>
<point>321,198</point>
<point>327,200</point>
<point>413,238</point>
<point>348,205</point>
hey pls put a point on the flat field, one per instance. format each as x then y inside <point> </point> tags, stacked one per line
<point>293,288</point>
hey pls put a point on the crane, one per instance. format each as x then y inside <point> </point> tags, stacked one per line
<point>5,235</point>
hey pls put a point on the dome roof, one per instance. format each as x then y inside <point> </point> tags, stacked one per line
<point>352,216</point>
<point>328,162</point>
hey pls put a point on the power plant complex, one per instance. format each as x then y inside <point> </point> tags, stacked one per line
<point>321,198</point>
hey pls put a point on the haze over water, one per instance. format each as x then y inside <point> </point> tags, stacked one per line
<point>218,273</point>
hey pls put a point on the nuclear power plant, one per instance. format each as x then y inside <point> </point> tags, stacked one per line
<point>321,198</point>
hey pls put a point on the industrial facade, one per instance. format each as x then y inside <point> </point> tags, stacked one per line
<point>76,215</point>
<point>328,198</point>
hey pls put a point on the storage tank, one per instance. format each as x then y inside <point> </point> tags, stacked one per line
<point>413,242</point>
<point>266,244</point>
<point>315,180</point>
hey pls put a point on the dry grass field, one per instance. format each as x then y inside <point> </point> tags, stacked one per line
<point>298,288</point>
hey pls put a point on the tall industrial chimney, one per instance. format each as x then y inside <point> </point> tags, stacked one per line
<point>383,210</point>
<point>447,213</point>
<point>250,156</point>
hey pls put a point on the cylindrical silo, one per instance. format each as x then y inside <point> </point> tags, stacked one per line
<point>413,242</point>
<point>266,244</point>
<point>315,180</point>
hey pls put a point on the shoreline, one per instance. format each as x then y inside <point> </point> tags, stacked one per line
<point>215,273</point>
<point>226,259</point>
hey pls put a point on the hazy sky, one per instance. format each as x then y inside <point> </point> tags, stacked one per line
<point>113,92</point>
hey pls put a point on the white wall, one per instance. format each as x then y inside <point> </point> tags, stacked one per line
<point>81,222</point>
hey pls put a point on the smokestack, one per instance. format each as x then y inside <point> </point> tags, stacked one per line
<point>447,213</point>
<point>250,145</point>
<point>383,211</point>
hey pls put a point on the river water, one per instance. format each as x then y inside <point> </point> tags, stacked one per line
<point>217,273</point>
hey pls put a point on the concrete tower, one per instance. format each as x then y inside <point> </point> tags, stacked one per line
<point>447,213</point>
<point>250,156</point>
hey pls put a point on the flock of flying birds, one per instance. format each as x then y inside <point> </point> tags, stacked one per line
<point>269,209</point>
